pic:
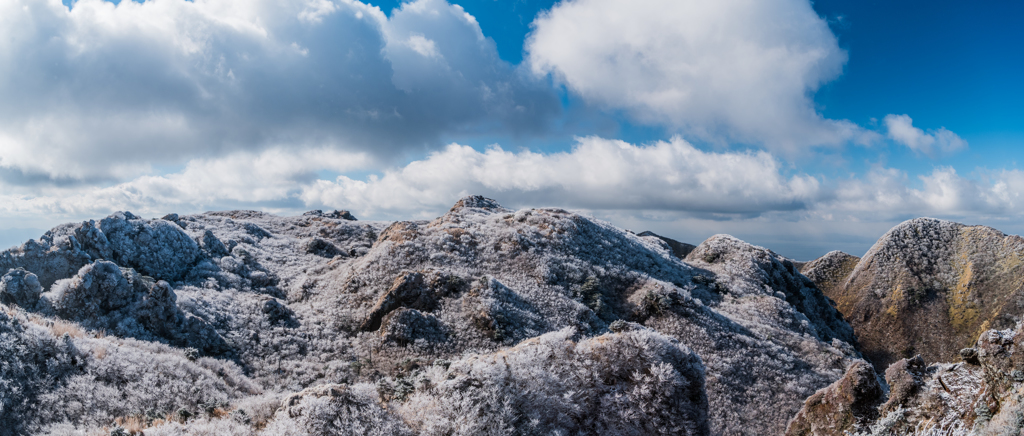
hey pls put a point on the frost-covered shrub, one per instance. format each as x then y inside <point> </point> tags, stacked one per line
<point>31,360</point>
<point>633,383</point>
<point>335,410</point>
<point>404,326</point>
<point>81,382</point>
<point>104,296</point>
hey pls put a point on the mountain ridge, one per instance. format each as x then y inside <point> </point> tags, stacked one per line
<point>401,318</point>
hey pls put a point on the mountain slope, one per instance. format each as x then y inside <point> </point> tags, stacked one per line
<point>927,287</point>
<point>444,326</point>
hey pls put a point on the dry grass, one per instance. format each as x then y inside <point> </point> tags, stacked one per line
<point>57,326</point>
<point>60,327</point>
<point>133,425</point>
<point>100,352</point>
<point>220,413</point>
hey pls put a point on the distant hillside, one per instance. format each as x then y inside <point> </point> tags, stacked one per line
<point>927,287</point>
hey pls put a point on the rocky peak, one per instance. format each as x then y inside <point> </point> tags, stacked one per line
<point>679,249</point>
<point>829,272</point>
<point>478,202</point>
<point>747,270</point>
<point>928,287</point>
<point>337,214</point>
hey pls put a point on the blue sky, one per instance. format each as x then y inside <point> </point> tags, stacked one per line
<point>801,127</point>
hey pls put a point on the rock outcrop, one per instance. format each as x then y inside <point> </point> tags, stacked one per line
<point>847,406</point>
<point>19,287</point>
<point>980,396</point>
<point>679,249</point>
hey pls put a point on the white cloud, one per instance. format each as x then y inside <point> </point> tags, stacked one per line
<point>901,129</point>
<point>886,193</point>
<point>100,92</point>
<point>597,174</point>
<point>734,70</point>
<point>423,46</point>
<point>667,186</point>
<point>271,179</point>
<point>664,177</point>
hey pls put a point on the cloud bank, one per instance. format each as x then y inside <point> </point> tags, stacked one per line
<point>598,174</point>
<point>102,91</point>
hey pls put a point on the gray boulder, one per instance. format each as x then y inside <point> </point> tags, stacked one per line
<point>20,287</point>
<point>156,248</point>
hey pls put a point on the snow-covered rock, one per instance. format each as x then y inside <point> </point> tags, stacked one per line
<point>20,287</point>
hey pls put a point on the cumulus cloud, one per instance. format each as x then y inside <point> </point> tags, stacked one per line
<point>887,193</point>
<point>597,174</point>
<point>271,179</point>
<point>101,91</point>
<point>901,129</point>
<point>661,178</point>
<point>734,70</point>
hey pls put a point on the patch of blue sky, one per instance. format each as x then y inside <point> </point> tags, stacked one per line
<point>947,64</point>
<point>507,22</point>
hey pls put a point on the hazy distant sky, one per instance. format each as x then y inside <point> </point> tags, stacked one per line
<point>801,127</point>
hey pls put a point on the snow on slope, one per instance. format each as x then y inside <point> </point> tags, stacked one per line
<point>531,321</point>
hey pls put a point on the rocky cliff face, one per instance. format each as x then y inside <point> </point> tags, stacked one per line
<point>927,287</point>
<point>521,322</point>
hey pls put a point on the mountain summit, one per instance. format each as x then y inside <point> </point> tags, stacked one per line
<point>927,287</point>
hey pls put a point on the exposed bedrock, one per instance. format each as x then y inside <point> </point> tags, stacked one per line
<point>20,287</point>
<point>982,395</point>
<point>846,406</point>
